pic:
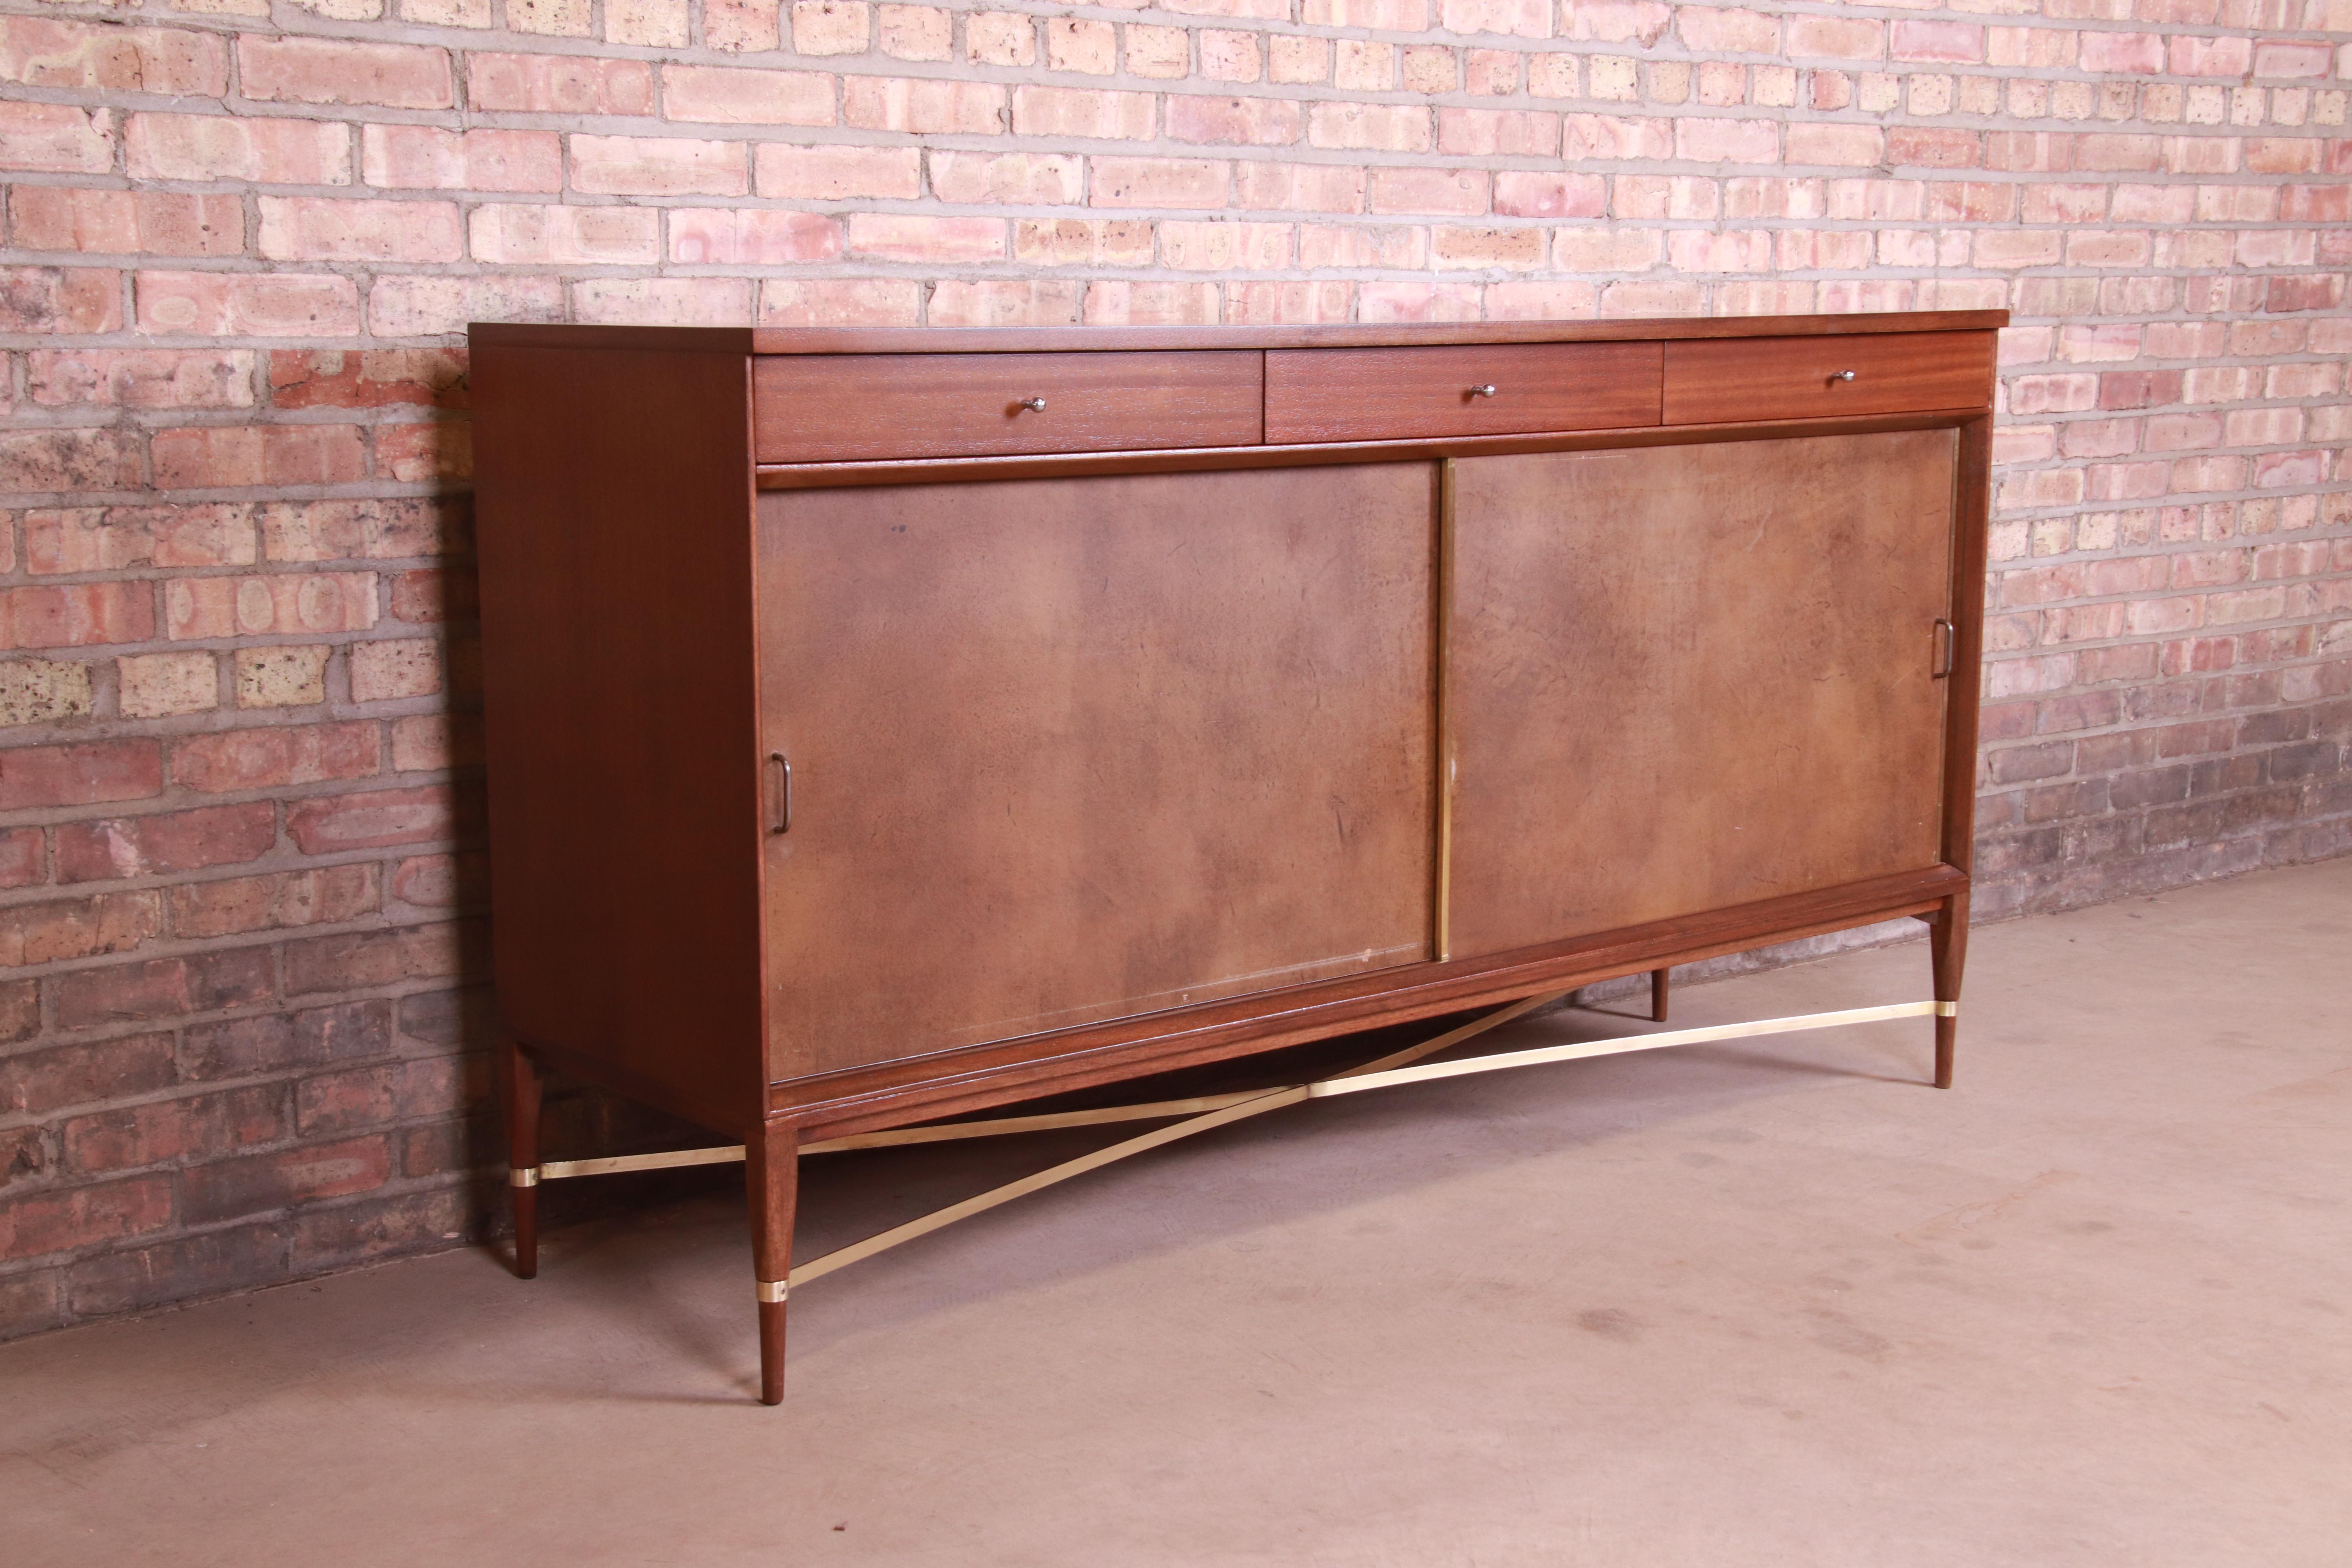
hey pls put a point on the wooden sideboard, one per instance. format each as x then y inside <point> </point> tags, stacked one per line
<point>886,727</point>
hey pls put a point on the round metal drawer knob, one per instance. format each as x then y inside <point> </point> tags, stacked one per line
<point>1036,404</point>
<point>1487,390</point>
<point>1843,376</point>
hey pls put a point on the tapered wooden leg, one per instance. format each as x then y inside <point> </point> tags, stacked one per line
<point>1948,951</point>
<point>1658,995</point>
<point>772,1167</point>
<point>523,1091</point>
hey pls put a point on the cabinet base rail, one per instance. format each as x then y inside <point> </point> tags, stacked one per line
<point>1205,1114</point>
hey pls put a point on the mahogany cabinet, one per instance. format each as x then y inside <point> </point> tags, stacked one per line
<point>888,727</point>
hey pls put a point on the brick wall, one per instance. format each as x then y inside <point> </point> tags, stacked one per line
<point>240,804</point>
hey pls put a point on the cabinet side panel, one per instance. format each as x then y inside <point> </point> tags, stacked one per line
<point>1687,678</point>
<point>1076,750</point>
<point>615,505</point>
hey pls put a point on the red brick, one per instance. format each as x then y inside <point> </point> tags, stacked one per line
<point>424,157</point>
<point>248,456</point>
<point>20,1010</point>
<point>290,603</point>
<point>23,862</point>
<point>764,237</point>
<point>838,174</point>
<point>84,775</point>
<point>274,758</point>
<point>175,841</point>
<point>55,138</point>
<point>1249,122</point>
<point>130,1279</point>
<point>326,895</point>
<point>330,228</point>
<point>428,449</point>
<point>423,598</point>
<point>42,1223</point>
<point>261,1184</point>
<point>60,300</point>
<point>376,819</point>
<point>163,987</point>
<point>340,1103</point>
<point>924,107</point>
<point>46,461</point>
<point>380,958</point>
<point>78,928</point>
<point>76,615</point>
<point>107,539</point>
<point>275,1042</point>
<point>353,1233</point>
<point>140,378</point>
<point>336,71</point>
<point>36,1083</point>
<point>377,378</point>
<point>193,1127</point>
<point>386,530</point>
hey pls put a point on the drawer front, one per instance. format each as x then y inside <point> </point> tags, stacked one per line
<point>1402,394</point>
<point>1730,380</point>
<point>831,408</point>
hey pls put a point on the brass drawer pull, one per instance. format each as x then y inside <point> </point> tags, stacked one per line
<point>784,793</point>
<point>1035,404</point>
<point>1843,376</point>
<point>1485,389</point>
<point>1943,666</point>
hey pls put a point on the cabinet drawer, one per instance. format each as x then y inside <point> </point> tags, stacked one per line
<point>1728,379</point>
<point>828,408</point>
<point>1402,393</point>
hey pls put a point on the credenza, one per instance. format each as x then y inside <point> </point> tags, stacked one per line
<point>888,727</point>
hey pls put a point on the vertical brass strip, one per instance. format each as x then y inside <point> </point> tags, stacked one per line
<point>1441,897</point>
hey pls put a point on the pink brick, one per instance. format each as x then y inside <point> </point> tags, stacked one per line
<point>1121,304</point>
<point>1496,132</point>
<point>559,84</point>
<point>2289,58</point>
<point>328,229</point>
<point>275,604</point>
<point>1861,146</point>
<point>1379,127</point>
<point>729,96</point>
<point>1727,140</point>
<point>1527,194</point>
<point>81,56</point>
<point>277,757</point>
<point>60,300</point>
<point>1614,138</point>
<point>2114,54</point>
<point>1521,18</point>
<point>1418,301</point>
<point>108,539</point>
<point>1381,16</point>
<point>896,237</point>
<point>248,304</point>
<point>324,70</point>
<point>1008,302</point>
<point>755,237</point>
<point>1251,121</point>
<point>140,378</point>
<point>663,302</point>
<point>161,223</point>
<point>839,174</point>
<point>426,157</point>
<point>658,166</point>
<point>1949,43</point>
<point>1453,193</point>
<point>524,233</point>
<point>924,107</point>
<point>55,138</point>
<point>1727,29</point>
<point>1836,39</point>
<point>240,455</point>
<point>1224,246</point>
<point>238,147</point>
<point>1158,183</point>
<point>742,25</point>
<point>404,307</point>
<point>1025,178</point>
<point>1300,187</point>
<point>2192,55</point>
<point>1083,112</point>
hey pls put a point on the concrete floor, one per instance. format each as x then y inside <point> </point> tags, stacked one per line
<point>1766,1302</point>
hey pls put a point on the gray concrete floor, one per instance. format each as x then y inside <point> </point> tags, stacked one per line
<point>1765,1302</point>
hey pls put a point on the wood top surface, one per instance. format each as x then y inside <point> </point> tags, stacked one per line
<point>1066,340</point>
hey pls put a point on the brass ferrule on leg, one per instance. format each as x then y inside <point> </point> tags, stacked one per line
<point>772,1291</point>
<point>1948,1009</point>
<point>526,1177</point>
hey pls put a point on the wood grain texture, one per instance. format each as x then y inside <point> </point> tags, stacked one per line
<point>614,502</point>
<point>1072,750</point>
<point>1021,340</point>
<point>1684,678</point>
<point>897,1094</point>
<point>1799,378</point>
<point>896,405</point>
<point>1398,393</point>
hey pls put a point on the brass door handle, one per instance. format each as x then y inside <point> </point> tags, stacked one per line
<point>784,793</point>
<point>1944,642</point>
